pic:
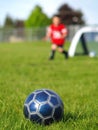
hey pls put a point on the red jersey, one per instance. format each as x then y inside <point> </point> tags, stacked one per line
<point>56,33</point>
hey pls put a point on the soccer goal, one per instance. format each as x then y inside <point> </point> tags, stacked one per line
<point>85,42</point>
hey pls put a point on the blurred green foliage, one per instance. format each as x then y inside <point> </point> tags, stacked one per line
<point>37,18</point>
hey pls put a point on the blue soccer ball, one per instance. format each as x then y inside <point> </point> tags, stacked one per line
<point>43,106</point>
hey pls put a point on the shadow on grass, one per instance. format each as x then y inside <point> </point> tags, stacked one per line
<point>73,117</point>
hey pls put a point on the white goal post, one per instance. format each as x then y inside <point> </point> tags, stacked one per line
<point>79,35</point>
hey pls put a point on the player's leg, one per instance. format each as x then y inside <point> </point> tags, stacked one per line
<point>53,49</point>
<point>61,50</point>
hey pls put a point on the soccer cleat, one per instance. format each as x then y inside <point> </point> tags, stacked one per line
<point>51,58</point>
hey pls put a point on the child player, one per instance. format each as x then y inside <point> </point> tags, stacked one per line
<point>57,32</point>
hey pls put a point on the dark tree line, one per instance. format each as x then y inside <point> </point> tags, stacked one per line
<point>10,23</point>
<point>38,18</point>
<point>70,16</point>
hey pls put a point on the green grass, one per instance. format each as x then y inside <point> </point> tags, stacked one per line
<point>24,67</point>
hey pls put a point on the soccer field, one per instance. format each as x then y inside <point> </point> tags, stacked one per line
<point>24,67</point>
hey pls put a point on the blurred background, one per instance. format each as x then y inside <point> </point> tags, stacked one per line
<point>27,20</point>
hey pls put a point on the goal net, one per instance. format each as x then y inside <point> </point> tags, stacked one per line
<point>85,42</point>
